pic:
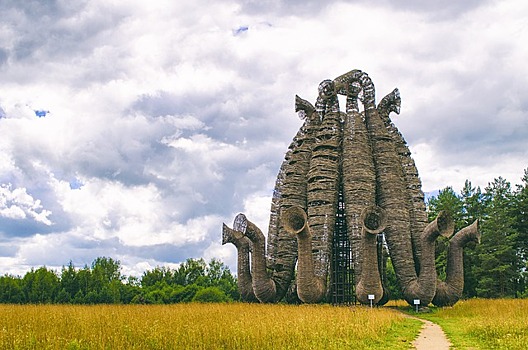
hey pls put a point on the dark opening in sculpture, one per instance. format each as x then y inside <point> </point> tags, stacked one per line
<point>347,189</point>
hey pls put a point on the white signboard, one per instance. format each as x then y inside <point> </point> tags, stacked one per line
<point>371,296</point>
<point>416,301</point>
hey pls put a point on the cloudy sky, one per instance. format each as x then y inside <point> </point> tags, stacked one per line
<point>134,129</point>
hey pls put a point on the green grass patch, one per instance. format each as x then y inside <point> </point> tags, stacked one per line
<point>483,323</point>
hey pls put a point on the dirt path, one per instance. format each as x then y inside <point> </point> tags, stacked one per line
<point>431,337</point>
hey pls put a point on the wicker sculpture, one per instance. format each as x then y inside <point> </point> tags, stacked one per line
<point>351,171</point>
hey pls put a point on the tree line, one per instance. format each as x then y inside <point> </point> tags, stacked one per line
<point>102,282</point>
<point>497,267</point>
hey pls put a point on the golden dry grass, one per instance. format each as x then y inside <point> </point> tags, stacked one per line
<point>203,326</point>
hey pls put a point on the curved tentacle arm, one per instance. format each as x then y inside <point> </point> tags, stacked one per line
<point>415,197</point>
<point>344,81</point>
<point>374,222</point>
<point>420,287</point>
<point>382,266</point>
<point>392,196</point>
<point>310,288</point>
<point>358,176</point>
<point>327,101</point>
<point>390,189</point>
<point>303,107</point>
<point>243,245</point>
<point>290,189</point>
<point>388,104</point>
<point>263,286</point>
<point>322,184</point>
<point>443,225</point>
<point>450,291</point>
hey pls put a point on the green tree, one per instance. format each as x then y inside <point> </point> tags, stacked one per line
<point>521,216</point>
<point>105,280</point>
<point>63,297</point>
<point>84,277</point>
<point>219,275</point>
<point>104,283</point>
<point>157,275</point>
<point>472,209</point>
<point>498,269</point>
<point>521,227</point>
<point>11,290</point>
<point>105,270</point>
<point>472,204</point>
<point>160,293</point>
<point>40,286</point>
<point>185,294</point>
<point>448,201</point>
<point>392,282</point>
<point>190,271</point>
<point>130,289</point>
<point>69,283</point>
<point>78,298</point>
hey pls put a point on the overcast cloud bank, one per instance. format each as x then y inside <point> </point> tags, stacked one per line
<point>168,118</point>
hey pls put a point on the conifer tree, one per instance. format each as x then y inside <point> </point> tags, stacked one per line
<point>521,226</point>
<point>472,209</point>
<point>497,271</point>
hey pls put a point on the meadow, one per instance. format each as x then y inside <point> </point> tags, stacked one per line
<point>484,323</point>
<point>203,326</point>
<point>470,324</point>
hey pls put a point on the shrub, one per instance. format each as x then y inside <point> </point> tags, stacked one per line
<point>210,295</point>
<point>186,294</point>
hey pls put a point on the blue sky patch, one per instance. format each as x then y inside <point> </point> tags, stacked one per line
<point>240,30</point>
<point>76,184</point>
<point>41,113</point>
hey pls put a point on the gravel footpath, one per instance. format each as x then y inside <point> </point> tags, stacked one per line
<point>431,337</point>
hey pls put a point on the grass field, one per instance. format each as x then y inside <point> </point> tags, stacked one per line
<point>203,326</point>
<point>485,324</point>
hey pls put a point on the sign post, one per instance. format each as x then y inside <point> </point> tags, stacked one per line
<point>371,297</point>
<point>417,303</point>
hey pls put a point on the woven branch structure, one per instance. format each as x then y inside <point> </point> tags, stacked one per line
<point>347,196</point>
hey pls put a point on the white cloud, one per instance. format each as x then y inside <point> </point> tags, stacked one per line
<point>18,204</point>
<point>173,124</point>
<point>256,207</point>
